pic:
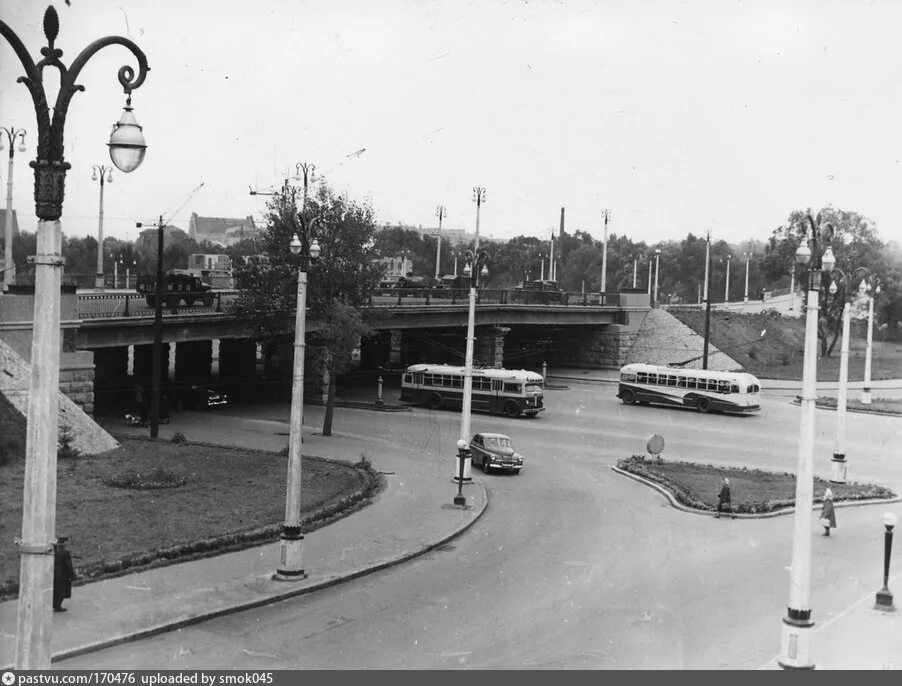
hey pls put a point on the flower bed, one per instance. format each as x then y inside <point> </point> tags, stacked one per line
<point>753,491</point>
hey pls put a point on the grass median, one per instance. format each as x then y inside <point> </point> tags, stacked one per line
<point>150,503</point>
<point>753,491</point>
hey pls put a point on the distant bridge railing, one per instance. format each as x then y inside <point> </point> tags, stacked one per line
<point>128,304</point>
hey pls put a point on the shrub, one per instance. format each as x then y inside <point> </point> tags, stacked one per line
<point>65,449</point>
<point>158,478</point>
<point>178,437</point>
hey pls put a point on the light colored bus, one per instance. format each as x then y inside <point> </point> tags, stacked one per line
<point>703,389</point>
<point>512,392</point>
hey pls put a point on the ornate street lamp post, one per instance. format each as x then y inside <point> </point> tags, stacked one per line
<point>796,628</point>
<point>127,149</point>
<point>9,266</point>
<point>868,351</point>
<point>291,566</point>
<point>839,465</point>
<point>441,212</point>
<point>101,173</point>
<point>474,267</point>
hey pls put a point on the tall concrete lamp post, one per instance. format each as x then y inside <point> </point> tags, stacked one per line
<point>291,563</point>
<point>838,462</point>
<point>745,298</point>
<point>127,149</point>
<point>868,351</point>
<point>441,212</point>
<point>795,644</point>
<point>474,267</point>
<point>657,265</point>
<point>103,173</point>
<point>9,266</point>
<point>726,290</point>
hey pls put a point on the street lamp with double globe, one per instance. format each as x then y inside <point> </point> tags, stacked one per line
<point>10,134</point>
<point>127,149</point>
<point>842,283</point>
<point>104,174</point>
<point>795,652</point>
<point>291,562</point>
<point>474,267</point>
<point>872,290</point>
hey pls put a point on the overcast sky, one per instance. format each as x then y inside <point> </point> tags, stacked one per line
<point>676,116</point>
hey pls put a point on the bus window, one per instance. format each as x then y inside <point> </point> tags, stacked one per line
<point>652,379</point>
<point>734,388</point>
<point>723,386</point>
<point>642,377</point>
<point>512,387</point>
<point>496,385</point>
<point>671,381</point>
<point>407,378</point>
<point>628,377</point>
<point>457,382</point>
<point>690,382</point>
<point>681,382</point>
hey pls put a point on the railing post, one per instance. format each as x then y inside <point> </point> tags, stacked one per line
<point>126,313</point>
<point>399,297</point>
<point>219,301</point>
<point>427,297</point>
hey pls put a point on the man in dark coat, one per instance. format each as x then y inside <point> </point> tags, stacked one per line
<point>724,499</point>
<point>63,574</point>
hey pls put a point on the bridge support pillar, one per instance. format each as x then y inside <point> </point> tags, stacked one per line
<point>490,346</point>
<point>193,360</point>
<point>111,389</point>
<point>237,364</point>
<point>395,354</point>
<point>143,365</point>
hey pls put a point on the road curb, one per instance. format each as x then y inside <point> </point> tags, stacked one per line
<point>293,592</point>
<point>857,410</point>
<point>741,515</point>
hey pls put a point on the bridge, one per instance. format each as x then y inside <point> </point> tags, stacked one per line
<point>111,335</point>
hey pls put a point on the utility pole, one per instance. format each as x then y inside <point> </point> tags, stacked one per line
<point>440,212</point>
<point>707,316</point>
<point>726,293</point>
<point>604,253</point>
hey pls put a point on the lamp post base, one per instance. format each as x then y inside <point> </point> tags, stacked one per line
<point>795,644</point>
<point>884,600</point>
<point>467,471</point>
<point>98,281</point>
<point>291,566</point>
<point>839,467</point>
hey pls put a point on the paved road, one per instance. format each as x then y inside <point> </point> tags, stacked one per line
<point>572,566</point>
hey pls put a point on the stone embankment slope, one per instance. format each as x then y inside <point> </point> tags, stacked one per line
<point>663,339</point>
<point>15,378</point>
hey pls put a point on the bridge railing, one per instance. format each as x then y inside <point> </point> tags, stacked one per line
<point>130,304</point>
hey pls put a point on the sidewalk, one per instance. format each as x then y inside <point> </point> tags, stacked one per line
<point>413,515</point>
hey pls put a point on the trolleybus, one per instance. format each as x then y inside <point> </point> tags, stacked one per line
<point>512,392</point>
<point>702,389</point>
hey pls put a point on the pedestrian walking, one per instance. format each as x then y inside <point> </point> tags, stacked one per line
<point>724,499</point>
<point>63,574</point>
<point>828,514</point>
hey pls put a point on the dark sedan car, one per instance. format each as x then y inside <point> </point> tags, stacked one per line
<point>201,397</point>
<point>495,451</point>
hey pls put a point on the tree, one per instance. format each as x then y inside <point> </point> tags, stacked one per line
<point>855,243</point>
<point>339,336</point>
<point>339,281</point>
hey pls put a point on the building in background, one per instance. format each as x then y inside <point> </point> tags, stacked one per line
<point>222,231</point>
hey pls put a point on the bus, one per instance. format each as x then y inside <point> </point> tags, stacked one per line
<point>703,389</point>
<point>513,392</point>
